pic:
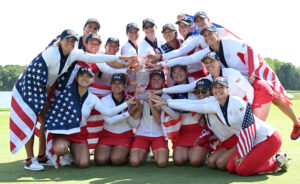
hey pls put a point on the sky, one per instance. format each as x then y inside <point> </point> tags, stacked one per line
<point>269,26</point>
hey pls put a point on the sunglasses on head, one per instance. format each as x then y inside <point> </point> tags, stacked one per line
<point>202,91</point>
<point>150,26</point>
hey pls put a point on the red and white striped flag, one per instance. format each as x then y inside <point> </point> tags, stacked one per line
<point>247,134</point>
<point>28,99</point>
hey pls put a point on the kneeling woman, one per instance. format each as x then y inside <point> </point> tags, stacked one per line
<point>116,137</point>
<point>193,125</point>
<point>67,117</point>
<point>150,132</point>
<point>258,141</point>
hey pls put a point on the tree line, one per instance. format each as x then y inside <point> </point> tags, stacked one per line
<point>288,74</point>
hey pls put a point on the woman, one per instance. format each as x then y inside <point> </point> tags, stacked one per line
<point>150,44</point>
<point>116,138</point>
<point>170,35</point>
<point>68,114</point>
<point>130,48</point>
<point>172,42</point>
<point>257,142</point>
<point>193,125</point>
<point>237,55</point>
<point>150,132</point>
<point>36,82</point>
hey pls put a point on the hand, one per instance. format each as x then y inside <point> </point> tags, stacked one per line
<point>130,71</point>
<point>158,102</point>
<point>238,161</point>
<point>131,101</point>
<point>251,79</point>
<point>153,58</point>
<point>156,97</point>
<point>157,92</point>
<point>48,88</point>
<point>153,67</point>
<point>129,59</point>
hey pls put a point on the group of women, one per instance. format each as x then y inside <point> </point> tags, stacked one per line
<point>207,114</point>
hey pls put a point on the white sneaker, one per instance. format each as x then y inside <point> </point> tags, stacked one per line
<point>33,165</point>
<point>282,161</point>
<point>66,159</point>
<point>92,152</point>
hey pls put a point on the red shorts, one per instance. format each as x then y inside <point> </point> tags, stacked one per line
<point>263,93</point>
<point>123,139</point>
<point>143,142</point>
<point>80,137</point>
<point>230,142</point>
<point>189,133</point>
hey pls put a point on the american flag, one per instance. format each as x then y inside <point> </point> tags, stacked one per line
<point>28,99</point>
<point>257,65</point>
<point>247,133</point>
<point>64,114</point>
<point>95,121</point>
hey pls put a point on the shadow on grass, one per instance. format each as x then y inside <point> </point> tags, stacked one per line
<point>13,172</point>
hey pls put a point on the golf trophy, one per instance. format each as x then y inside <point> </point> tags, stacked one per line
<point>142,78</point>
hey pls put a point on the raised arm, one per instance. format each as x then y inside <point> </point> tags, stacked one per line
<point>105,68</point>
<point>100,106</point>
<point>186,47</point>
<point>185,60</point>
<point>183,88</point>
<point>207,105</point>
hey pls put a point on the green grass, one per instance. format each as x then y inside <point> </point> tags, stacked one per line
<point>4,109</point>
<point>11,166</point>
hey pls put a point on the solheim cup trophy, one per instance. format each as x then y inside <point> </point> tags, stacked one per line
<point>142,78</point>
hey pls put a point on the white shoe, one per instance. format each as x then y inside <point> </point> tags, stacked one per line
<point>66,159</point>
<point>282,161</point>
<point>33,165</point>
<point>92,152</point>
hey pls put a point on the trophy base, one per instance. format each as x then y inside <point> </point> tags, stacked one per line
<point>143,96</point>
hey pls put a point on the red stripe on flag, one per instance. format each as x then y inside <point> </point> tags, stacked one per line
<point>257,70</point>
<point>250,60</point>
<point>22,115</point>
<point>173,122</point>
<point>93,135</point>
<point>12,146</point>
<point>273,79</point>
<point>18,132</point>
<point>265,75</point>
<point>95,123</point>
<point>100,86</point>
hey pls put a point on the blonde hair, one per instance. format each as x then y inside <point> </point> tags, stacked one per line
<point>57,43</point>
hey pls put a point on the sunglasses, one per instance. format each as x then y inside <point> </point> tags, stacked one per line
<point>202,91</point>
<point>150,26</point>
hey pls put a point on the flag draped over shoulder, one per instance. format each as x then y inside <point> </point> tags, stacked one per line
<point>28,99</point>
<point>256,64</point>
<point>247,134</point>
<point>64,114</point>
